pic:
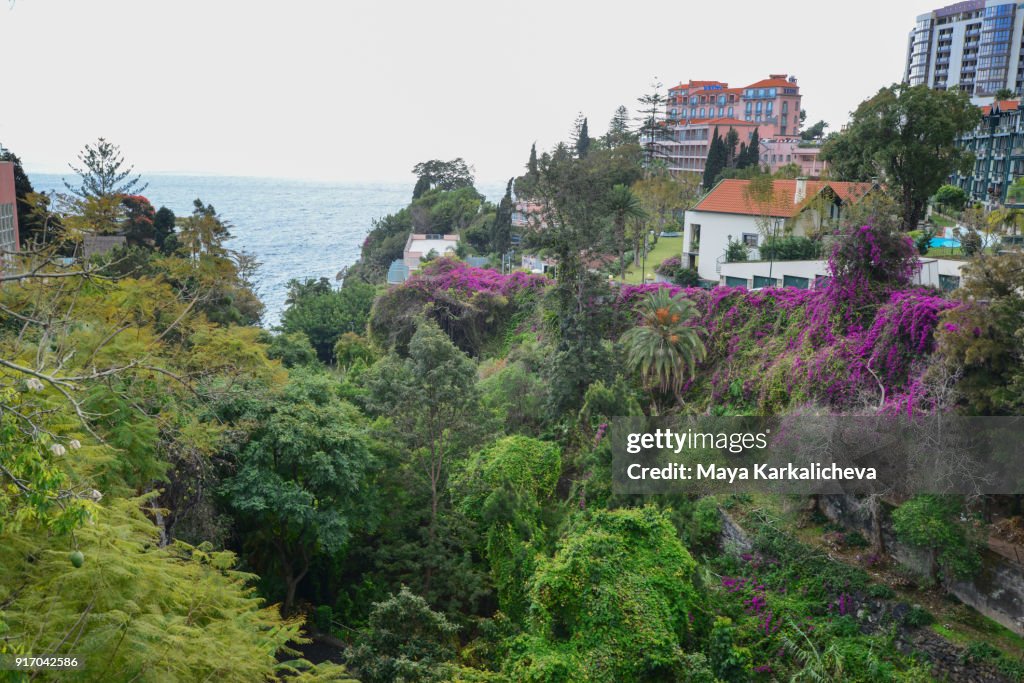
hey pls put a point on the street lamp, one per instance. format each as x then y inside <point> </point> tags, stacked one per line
<point>643,268</point>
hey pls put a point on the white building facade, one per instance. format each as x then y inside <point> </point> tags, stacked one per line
<point>974,46</point>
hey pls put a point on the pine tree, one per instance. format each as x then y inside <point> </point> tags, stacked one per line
<point>531,165</point>
<point>652,115</point>
<point>618,129</point>
<point>103,174</point>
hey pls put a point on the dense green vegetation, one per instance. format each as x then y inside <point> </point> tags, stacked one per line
<point>418,476</point>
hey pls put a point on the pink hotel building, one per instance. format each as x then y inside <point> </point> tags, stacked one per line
<point>695,109</point>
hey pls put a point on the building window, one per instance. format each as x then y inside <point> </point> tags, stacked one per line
<point>750,239</point>
<point>721,111</point>
<point>730,112</point>
<point>7,244</point>
<point>702,112</point>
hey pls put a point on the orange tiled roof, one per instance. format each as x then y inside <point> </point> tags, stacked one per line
<point>730,196</point>
<point>1004,105</point>
<point>773,82</point>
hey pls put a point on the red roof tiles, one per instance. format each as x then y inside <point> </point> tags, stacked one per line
<point>731,196</point>
<point>1002,105</point>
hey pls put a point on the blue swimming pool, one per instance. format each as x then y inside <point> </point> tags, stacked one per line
<point>944,242</point>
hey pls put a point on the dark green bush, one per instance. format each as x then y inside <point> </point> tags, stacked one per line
<point>918,616</point>
<point>790,249</point>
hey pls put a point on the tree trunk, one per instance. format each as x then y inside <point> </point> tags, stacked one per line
<point>911,211</point>
<point>291,578</point>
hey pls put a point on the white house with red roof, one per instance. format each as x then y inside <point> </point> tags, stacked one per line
<point>800,207</point>
<point>732,210</point>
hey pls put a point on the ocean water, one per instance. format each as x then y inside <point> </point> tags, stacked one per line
<point>296,229</point>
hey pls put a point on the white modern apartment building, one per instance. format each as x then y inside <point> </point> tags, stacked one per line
<point>974,46</point>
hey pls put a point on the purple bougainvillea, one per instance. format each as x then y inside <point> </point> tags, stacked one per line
<point>450,275</point>
<point>866,332</point>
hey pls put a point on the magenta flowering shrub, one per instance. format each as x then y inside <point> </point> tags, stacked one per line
<point>470,304</point>
<point>445,277</point>
<point>862,336</point>
<point>669,266</point>
<point>867,262</point>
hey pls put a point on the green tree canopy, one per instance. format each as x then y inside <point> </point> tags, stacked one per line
<point>952,197</point>
<point>815,131</point>
<point>613,604</point>
<point>301,482</point>
<point>441,175</point>
<point>907,134</point>
<point>323,313</point>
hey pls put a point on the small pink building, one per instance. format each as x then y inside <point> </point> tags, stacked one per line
<point>8,210</point>
<point>783,150</point>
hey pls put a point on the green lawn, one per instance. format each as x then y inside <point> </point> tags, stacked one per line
<point>666,247</point>
<point>943,221</point>
<point>954,252</point>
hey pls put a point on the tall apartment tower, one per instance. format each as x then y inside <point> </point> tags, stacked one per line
<point>974,46</point>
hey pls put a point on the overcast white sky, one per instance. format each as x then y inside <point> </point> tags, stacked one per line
<point>363,90</point>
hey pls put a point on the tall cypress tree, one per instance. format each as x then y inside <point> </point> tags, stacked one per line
<point>531,165</point>
<point>501,229</point>
<point>731,139</point>
<point>754,150</point>
<point>582,140</point>
<point>715,161</point>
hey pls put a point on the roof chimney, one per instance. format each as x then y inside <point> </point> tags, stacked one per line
<point>801,190</point>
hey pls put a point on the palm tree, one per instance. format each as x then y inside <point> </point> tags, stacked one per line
<point>664,349</point>
<point>622,204</point>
